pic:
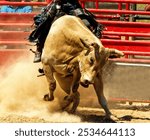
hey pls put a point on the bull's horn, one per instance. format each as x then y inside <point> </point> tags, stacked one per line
<point>96,46</point>
<point>114,53</point>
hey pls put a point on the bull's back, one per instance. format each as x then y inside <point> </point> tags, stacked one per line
<point>63,40</point>
<point>70,28</point>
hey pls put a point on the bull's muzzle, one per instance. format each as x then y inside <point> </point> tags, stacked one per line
<point>85,83</point>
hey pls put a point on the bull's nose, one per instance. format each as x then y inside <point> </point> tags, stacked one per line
<point>85,83</point>
<point>88,82</point>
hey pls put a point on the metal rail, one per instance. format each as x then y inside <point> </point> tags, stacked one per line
<point>107,11</point>
<point>119,1</point>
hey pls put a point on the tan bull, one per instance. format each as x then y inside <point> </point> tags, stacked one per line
<point>73,55</point>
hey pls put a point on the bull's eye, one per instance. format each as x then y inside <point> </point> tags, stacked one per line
<point>91,61</point>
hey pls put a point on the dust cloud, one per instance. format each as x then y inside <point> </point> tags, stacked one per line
<point>21,93</point>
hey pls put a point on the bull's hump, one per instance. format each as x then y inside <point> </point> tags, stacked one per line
<point>67,20</point>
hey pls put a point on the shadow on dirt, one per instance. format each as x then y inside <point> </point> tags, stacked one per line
<point>99,117</point>
<point>102,119</point>
<point>95,119</point>
<point>130,117</point>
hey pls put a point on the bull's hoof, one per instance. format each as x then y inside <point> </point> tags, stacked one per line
<point>85,85</point>
<point>114,117</point>
<point>111,117</point>
<point>47,98</point>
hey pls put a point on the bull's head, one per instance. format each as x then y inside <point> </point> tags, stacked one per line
<point>89,60</point>
<point>92,59</point>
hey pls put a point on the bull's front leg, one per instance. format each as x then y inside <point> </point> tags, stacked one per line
<point>51,82</point>
<point>74,90</point>
<point>74,95</point>
<point>98,86</point>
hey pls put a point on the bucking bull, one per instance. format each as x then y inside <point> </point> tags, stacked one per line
<point>73,55</point>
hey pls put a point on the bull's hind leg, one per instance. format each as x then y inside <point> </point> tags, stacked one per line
<point>51,81</point>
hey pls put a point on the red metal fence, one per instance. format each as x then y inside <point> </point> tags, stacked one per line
<point>119,32</point>
<point>122,32</point>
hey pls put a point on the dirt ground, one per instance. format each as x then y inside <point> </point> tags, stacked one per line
<point>21,100</point>
<point>83,115</point>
